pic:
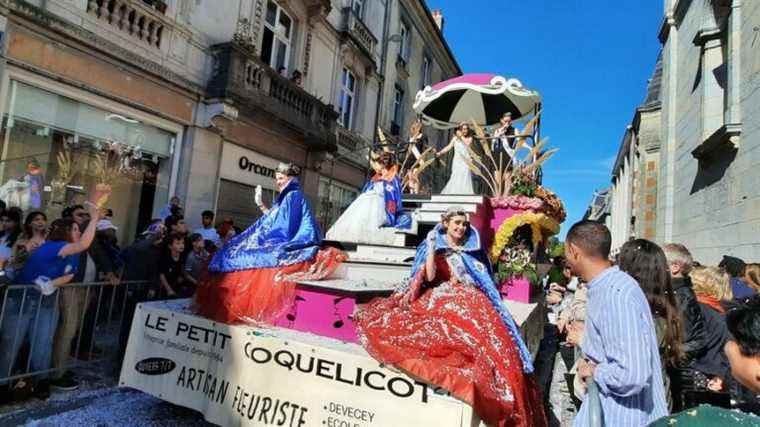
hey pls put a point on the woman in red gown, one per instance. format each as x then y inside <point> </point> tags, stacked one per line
<point>445,328</point>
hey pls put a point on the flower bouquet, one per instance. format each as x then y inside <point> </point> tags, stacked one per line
<point>515,262</point>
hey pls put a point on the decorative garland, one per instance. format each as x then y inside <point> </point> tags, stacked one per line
<point>538,222</point>
<point>518,202</point>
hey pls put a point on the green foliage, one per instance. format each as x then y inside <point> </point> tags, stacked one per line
<point>515,262</point>
<point>523,185</point>
<point>556,248</point>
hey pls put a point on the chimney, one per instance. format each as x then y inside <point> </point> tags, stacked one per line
<point>438,18</point>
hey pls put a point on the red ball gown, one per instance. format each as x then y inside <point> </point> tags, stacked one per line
<point>452,336</point>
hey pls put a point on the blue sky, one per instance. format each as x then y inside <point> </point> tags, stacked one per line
<point>590,60</point>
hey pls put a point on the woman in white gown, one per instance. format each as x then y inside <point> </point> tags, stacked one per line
<point>460,181</point>
<point>371,217</point>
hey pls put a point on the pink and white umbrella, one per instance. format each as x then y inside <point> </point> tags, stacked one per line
<point>480,97</point>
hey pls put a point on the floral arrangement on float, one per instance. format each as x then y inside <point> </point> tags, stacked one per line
<point>525,214</point>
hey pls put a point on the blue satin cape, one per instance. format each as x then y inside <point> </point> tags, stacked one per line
<point>479,267</point>
<point>287,234</point>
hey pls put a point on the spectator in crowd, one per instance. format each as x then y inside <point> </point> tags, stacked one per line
<point>50,266</point>
<point>171,269</point>
<point>10,221</point>
<point>35,231</point>
<point>227,230</point>
<point>207,230</point>
<point>297,78</point>
<point>140,266</point>
<point>752,276</point>
<point>735,267</point>
<point>561,407</point>
<point>695,338</point>
<point>743,353</point>
<point>680,264</point>
<point>712,286</point>
<point>646,262</point>
<point>175,224</point>
<point>74,302</point>
<point>549,345</point>
<point>619,342</point>
<point>743,348</point>
<point>107,241</point>
<point>197,259</point>
<point>95,262</point>
<point>174,203</point>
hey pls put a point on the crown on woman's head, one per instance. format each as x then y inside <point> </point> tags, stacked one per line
<point>453,211</point>
<point>289,169</point>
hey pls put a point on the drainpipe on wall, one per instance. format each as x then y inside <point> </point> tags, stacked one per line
<point>381,81</point>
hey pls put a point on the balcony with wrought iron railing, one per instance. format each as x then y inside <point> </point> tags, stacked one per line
<point>354,28</point>
<point>351,140</point>
<point>141,20</point>
<point>241,76</point>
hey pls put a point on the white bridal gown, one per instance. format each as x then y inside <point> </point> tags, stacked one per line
<point>460,181</point>
<point>363,220</point>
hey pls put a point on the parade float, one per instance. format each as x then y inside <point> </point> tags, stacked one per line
<point>309,367</point>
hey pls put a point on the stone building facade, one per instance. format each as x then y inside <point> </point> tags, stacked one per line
<point>633,194</point>
<point>417,56</point>
<point>204,93</point>
<point>701,185</point>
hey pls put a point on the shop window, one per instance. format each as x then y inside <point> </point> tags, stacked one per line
<point>236,202</point>
<point>277,37</point>
<point>56,149</point>
<point>332,200</point>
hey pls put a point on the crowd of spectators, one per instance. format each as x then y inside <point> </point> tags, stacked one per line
<point>50,310</point>
<point>652,327</point>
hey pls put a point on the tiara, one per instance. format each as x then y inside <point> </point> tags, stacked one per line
<point>289,169</point>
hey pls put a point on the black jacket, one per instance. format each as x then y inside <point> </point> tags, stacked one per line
<point>100,257</point>
<point>694,333</point>
<point>714,360</point>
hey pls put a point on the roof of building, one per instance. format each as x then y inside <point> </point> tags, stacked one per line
<point>441,36</point>
<point>652,101</point>
<point>625,147</point>
<point>654,86</point>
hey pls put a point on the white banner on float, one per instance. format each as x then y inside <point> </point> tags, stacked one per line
<point>241,376</point>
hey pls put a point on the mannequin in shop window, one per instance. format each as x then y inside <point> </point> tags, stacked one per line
<point>251,279</point>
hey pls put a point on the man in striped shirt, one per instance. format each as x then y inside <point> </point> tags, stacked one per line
<point>619,343</point>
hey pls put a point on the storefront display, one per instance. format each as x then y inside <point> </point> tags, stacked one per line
<point>240,172</point>
<point>55,150</point>
<point>333,199</point>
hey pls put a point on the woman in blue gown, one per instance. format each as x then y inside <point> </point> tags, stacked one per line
<point>251,279</point>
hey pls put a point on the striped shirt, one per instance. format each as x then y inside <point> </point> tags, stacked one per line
<point>620,338</point>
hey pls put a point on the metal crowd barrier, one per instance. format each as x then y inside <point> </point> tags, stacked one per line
<point>101,317</point>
